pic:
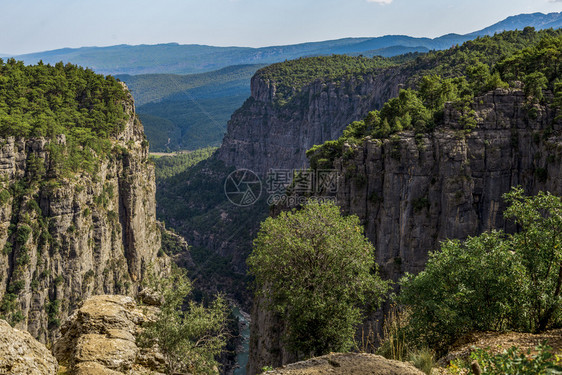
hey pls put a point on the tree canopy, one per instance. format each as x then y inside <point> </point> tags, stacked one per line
<point>316,269</point>
<point>46,101</point>
<point>190,335</point>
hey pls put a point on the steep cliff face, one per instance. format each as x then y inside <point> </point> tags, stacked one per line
<point>413,192</point>
<point>264,135</point>
<point>64,240</point>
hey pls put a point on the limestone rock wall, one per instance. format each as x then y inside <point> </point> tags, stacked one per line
<point>67,239</point>
<point>262,135</point>
<point>411,194</point>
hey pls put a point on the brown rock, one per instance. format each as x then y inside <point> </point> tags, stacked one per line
<point>112,353</point>
<point>93,368</point>
<point>149,297</point>
<point>101,336</point>
<point>21,354</point>
<point>348,364</point>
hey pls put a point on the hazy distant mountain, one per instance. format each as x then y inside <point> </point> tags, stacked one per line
<point>179,59</point>
<point>537,20</point>
<point>186,59</point>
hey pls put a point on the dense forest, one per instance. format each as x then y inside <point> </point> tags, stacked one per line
<point>46,101</point>
<point>186,112</point>
<point>169,166</point>
<point>511,59</point>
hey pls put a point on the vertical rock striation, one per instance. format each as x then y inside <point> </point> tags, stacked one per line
<point>411,194</point>
<point>66,239</point>
<point>263,134</point>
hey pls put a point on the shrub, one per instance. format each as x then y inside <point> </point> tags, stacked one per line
<point>22,234</point>
<point>4,196</point>
<point>470,285</point>
<point>190,337</point>
<point>494,281</point>
<point>512,361</point>
<point>423,359</point>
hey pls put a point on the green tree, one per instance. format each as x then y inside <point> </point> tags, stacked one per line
<point>190,336</point>
<point>534,84</point>
<point>316,269</point>
<point>538,246</point>
<point>466,286</point>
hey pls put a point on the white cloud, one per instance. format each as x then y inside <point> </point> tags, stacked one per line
<point>390,1</point>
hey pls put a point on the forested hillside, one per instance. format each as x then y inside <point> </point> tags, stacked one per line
<point>458,75</point>
<point>189,111</point>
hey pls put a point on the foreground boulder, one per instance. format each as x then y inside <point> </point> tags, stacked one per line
<point>348,364</point>
<point>100,338</point>
<point>21,354</point>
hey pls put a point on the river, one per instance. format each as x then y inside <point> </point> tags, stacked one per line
<point>243,350</point>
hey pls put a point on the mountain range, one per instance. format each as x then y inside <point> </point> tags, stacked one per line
<point>186,59</point>
<point>185,94</point>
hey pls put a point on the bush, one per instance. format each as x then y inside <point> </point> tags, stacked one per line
<point>4,196</point>
<point>423,359</point>
<point>492,282</point>
<point>470,285</point>
<point>22,234</point>
<point>393,344</point>
<point>190,337</point>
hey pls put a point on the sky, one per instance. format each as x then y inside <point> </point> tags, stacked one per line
<point>39,25</point>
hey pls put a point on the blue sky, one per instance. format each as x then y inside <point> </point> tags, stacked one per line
<point>38,25</point>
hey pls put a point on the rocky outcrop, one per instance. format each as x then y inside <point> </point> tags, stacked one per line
<point>21,354</point>
<point>412,193</point>
<point>100,338</point>
<point>67,238</point>
<point>264,135</point>
<point>348,364</point>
